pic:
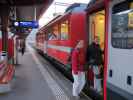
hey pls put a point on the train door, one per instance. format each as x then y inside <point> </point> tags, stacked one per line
<point>97,27</point>
<point>120,57</point>
<point>97,30</point>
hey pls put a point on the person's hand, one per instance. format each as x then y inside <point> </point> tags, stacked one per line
<point>100,67</point>
<point>79,72</point>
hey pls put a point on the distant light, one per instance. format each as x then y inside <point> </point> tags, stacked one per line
<point>30,29</point>
<point>124,12</point>
<point>101,20</point>
<point>16,24</point>
<point>63,24</point>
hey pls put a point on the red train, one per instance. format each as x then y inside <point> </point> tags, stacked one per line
<point>59,36</point>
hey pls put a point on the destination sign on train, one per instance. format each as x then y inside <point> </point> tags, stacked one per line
<point>26,24</point>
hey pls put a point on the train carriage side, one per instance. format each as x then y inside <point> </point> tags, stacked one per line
<point>58,44</point>
<point>40,40</point>
<point>120,47</point>
<point>37,40</point>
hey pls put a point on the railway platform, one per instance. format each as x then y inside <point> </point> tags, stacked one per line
<point>36,79</point>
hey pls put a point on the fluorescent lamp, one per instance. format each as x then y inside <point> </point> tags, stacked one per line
<point>124,12</point>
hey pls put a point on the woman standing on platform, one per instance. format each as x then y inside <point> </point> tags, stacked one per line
<point>77,70</point>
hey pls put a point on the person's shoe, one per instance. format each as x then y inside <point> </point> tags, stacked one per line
<point>91,87</point>
<point>100,92</point>
<point>81,95</point>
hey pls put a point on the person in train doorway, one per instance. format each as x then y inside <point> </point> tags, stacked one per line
<point>78,70</point>
<point>95,60</point>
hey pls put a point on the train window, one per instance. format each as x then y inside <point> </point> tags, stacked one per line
<point>51,35</point>
<point>64,30</point>
<point>122,25</point>
<point>56,32</point>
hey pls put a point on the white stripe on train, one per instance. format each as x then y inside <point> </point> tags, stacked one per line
<point>60,48</point>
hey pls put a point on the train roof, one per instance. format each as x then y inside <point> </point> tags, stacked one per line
<point>55,20</point>
<point>76,7</point>
<point>95,5</point>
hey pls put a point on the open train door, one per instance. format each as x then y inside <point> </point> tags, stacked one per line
<point>96,29</point>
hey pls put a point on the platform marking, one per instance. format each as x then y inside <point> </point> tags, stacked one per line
<point>56,89</point>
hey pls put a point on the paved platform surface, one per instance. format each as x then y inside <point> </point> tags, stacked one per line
<point>37,79</point>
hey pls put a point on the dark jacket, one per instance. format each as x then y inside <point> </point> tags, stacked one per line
<point>94,54</point>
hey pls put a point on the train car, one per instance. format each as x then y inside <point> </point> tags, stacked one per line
<point>59,36</point>
<point>62,33</point>
<point>120,47</point>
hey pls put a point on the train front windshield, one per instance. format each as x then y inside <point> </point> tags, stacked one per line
<point>122,25</point>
